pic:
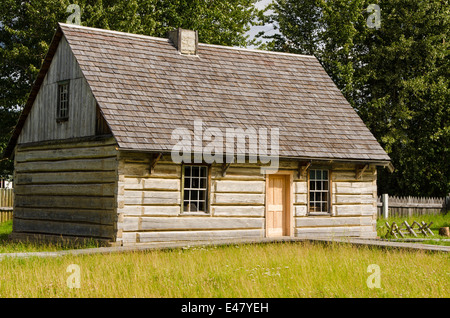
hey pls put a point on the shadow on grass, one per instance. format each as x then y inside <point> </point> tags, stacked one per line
<point>9,246</point>
<point>5,230</point>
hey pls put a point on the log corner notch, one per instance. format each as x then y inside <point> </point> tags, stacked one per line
<point>153,161</point>
<point>360,170</point>
<point>302,168</point>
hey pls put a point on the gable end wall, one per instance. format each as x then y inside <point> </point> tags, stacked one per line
<point>41,123</point>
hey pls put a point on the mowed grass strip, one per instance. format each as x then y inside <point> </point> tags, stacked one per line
<point>273,270</point>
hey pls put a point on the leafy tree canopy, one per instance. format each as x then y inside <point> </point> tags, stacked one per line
<point>27,27</point>
<point>396,77</point>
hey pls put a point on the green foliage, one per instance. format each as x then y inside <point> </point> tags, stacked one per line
<point>396,77</point>
<point>27,27</point>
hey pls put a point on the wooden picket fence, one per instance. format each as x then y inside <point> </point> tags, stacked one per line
<point>412,206</point>
<point>6,205</point>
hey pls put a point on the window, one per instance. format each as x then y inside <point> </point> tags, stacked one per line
<point>63,101</point>
<point>195,193</point>
<point>319,193</point>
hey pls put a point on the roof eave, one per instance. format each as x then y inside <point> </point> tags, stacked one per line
<point>377,162</point>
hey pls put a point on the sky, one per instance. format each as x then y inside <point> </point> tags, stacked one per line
<point>269,30</point>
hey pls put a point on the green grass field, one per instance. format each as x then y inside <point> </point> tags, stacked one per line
<point>273,270</point>
<point>256,270</point>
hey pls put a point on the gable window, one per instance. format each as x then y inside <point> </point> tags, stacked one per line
<point>319,193</point>
<point>63,101</point>
<point>195,188</point>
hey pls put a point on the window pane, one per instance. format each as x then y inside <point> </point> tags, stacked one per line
<point>318,185</point>
<point>63,96</point>
<point>195,189</point>
<point>319,191</point>
<point>318,174</point>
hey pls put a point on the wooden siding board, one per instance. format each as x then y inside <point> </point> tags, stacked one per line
<point>190,223</point>
<point>366,231</point>
<point>332,221</point>
<point>144,237</point>
<point>236,210</point>
<point>64,196</point>
<point>63,228</point>
<point>67,215</point>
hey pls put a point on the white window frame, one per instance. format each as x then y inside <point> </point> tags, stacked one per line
<point>193,186</point>
<point>317,191</point>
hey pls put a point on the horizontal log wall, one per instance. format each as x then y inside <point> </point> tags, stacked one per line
<point>353,205</point>
<point>149,204</point>
<point>66,189</point>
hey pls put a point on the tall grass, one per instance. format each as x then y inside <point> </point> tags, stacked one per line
<point>253,270</point>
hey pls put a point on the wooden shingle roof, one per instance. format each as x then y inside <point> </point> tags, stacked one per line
<point>145,89</point>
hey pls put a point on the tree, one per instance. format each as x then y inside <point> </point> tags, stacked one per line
<point>396,77</point>
<point>27,27</point>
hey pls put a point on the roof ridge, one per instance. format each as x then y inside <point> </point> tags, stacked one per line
<point>257,51</point>
<point>112,31</point>
<point>200,44</point>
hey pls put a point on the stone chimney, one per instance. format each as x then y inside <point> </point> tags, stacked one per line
<point>186,41</point>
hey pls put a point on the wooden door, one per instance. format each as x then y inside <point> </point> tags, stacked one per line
<point>277,210</point>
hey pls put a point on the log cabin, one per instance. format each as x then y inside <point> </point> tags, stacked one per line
<point>93,147</point>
